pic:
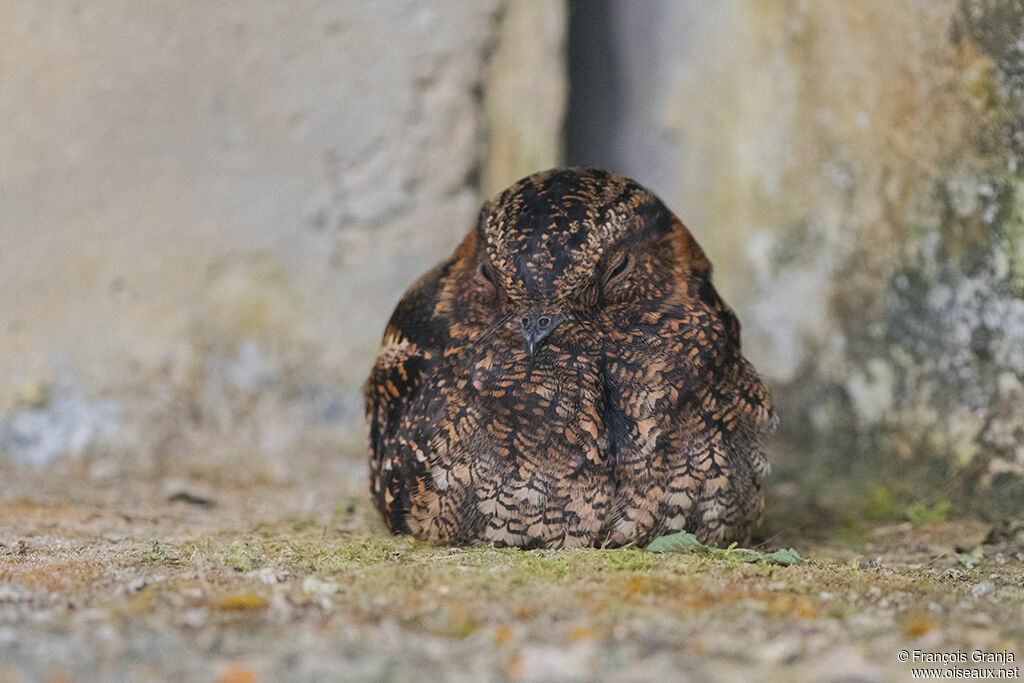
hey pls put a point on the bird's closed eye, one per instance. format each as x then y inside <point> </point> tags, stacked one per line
<point>485,273</point>
<point>620,267</point>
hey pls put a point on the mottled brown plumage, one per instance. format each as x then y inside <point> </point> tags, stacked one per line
<point>568,377</point>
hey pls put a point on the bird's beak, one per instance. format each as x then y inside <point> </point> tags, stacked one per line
<point>536,325</point>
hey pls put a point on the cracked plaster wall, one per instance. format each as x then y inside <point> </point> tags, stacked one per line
<point>854,170</point>
<point>207,214</point>
<point>207,211</point>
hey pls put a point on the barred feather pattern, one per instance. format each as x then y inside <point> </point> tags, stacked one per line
<point>636,416</point>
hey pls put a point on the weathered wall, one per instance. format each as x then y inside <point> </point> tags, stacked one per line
<point>207,211</point>
<point>854,170</point>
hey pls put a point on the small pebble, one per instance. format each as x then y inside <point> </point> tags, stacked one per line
<point>981,588</point>
<point>196,618</point>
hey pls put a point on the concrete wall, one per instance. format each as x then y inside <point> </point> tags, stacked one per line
<point>854,171</point>
<point>207,211</point>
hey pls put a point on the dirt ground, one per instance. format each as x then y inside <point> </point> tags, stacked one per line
<point>234,578</point>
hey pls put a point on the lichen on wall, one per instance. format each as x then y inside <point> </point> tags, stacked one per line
<point>953,314</point>
<point>929,304</point>
<point>917,382</point>
<point>854,172</point>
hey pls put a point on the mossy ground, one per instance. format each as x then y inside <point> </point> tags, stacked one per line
<point>301,582</point>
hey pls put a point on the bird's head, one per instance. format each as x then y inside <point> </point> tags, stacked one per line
<point>568,243</point>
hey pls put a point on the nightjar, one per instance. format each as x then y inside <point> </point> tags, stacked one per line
<point>568,377</point>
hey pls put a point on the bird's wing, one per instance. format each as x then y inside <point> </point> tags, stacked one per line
<point>397,408</point>
<point>744,394</point>
<point>734,410</point>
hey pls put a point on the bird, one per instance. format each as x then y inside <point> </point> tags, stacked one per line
<point>569,377</point>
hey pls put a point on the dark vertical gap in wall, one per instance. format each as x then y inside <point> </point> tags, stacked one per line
<point>593,113</point>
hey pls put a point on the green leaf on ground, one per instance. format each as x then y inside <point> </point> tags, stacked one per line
<point>969,561</point>
<point>681,542</point>
<point>685,542</point>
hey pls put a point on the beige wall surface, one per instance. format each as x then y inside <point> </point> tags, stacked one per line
<point>854,170</point>
<point>208,210</point>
